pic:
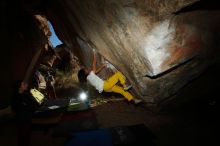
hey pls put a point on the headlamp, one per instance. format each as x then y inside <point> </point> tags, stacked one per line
<point>83,96</point>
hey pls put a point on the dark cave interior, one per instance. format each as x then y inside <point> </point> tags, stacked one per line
<point>168,51</point>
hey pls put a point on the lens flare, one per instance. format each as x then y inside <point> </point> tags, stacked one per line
<point>83,96</point>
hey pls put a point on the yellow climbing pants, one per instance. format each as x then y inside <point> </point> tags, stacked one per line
<point>110,85</point>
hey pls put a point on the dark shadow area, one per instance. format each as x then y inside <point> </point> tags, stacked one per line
<point>132,135</point>
<point>202,89</point>
<point>195,111</point>
<point>209,5</point>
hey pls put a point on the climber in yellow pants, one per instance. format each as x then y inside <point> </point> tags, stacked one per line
<point>108,85</point>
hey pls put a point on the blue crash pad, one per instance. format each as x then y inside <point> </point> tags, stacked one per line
<point>99,137</point>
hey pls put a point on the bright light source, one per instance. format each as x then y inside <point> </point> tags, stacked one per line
<point>83,96</point>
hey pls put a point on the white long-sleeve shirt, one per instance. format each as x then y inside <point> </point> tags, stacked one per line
<point>95,81</point>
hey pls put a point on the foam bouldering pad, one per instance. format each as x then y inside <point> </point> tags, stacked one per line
<point>78,106</point>
<point>99,137</point>
<point>116,136</point>
<point>57,106</point>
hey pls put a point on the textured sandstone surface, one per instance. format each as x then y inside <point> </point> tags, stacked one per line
<point>159,45</point>
<point>158,51</point>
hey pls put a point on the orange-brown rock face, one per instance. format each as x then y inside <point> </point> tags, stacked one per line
<point>159,45</point>
<point>157,50</point>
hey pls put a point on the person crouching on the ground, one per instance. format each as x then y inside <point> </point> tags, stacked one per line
<point>108,85</point>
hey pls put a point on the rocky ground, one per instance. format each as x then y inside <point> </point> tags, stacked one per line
<point>190,125</point>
